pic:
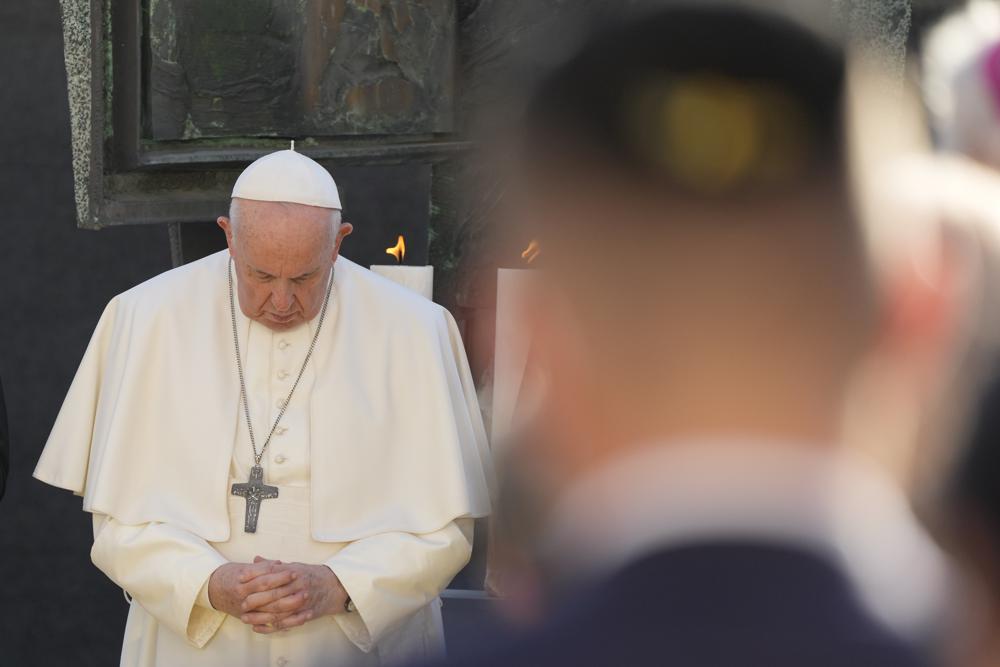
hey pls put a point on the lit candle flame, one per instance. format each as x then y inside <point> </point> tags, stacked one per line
<point>399,250</point>
<point>531,252</point>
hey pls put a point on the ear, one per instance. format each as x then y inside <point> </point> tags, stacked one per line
<point>924,306</point>
<point>343,232</point>
<point>226,225</point>
<point>896,395</point>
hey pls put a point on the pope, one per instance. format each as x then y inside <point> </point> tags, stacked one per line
<point>282,453</point>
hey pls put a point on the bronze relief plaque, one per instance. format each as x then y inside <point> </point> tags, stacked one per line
<point>287,68</point>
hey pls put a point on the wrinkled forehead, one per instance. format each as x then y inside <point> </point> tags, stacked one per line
<point>249,210</point>
<point>295,233</point>
<point>283,222</point>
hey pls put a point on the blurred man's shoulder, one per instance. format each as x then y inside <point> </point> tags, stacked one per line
<point>708,605</point>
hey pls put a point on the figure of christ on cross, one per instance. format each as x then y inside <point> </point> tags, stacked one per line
<point>254,490</point>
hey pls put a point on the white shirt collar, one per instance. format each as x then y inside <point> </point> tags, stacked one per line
<point>814,498</point>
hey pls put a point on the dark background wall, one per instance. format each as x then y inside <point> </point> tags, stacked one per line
<point>55,607</point>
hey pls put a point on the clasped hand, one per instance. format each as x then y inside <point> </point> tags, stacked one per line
<point>272,596</point>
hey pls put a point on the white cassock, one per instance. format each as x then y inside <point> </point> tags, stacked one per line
<point>380,459</point>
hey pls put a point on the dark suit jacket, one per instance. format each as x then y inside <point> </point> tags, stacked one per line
<point>4,445</point>
<point>733,604</point>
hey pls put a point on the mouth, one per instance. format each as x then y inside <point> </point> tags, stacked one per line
<point>282,319</point>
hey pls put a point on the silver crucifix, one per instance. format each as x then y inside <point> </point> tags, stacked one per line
<point>254,490</point>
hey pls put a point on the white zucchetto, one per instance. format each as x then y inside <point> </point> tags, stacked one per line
<point>287,176</point>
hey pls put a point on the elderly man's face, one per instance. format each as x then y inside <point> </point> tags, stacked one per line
<point>283,255</point>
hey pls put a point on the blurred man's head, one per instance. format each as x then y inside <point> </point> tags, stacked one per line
<point>707,275</point>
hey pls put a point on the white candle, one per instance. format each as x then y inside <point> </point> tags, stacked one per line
<point>420,279</point>
<point>512,347</point>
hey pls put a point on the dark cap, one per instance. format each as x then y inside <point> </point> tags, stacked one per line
<point>708,99</point>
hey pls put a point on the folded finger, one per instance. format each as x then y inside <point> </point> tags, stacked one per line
<point>294,620</point>
<point>260,618</point>
<point>258,600</point>
<point>265,629</point>
<point>287,604</point>
<point>271,581</point>
<point>257,569</point>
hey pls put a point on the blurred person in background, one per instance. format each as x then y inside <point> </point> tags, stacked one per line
<point>961,82</point>
<point>952,478</point>
<point>961,87</point>
<point>971,521</point>
<point>710,302</point>
<point>4,445</point>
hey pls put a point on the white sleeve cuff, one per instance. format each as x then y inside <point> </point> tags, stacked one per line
<point>204,620</point>
<point>355,629</point>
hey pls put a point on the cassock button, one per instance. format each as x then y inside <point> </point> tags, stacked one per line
<point>282,344</point>
<point>282,662</point>
<point>281,430</point>
<point>280,403</point>
<point>280,458</point>
<point>282,374</point>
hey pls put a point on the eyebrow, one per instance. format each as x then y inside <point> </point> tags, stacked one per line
<point>306,274</point>
<point>268,275</point>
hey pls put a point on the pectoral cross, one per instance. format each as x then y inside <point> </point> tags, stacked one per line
<point>254,490</point>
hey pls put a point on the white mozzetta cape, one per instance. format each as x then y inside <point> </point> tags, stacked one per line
<point>147,429</point>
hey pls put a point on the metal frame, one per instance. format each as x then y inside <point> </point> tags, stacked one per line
<point>124,178</point>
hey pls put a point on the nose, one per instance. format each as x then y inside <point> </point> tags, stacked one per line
<point>281,298</point>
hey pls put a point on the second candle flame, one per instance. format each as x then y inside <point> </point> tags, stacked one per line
<point>399,250</point>
<point>531,252</point>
